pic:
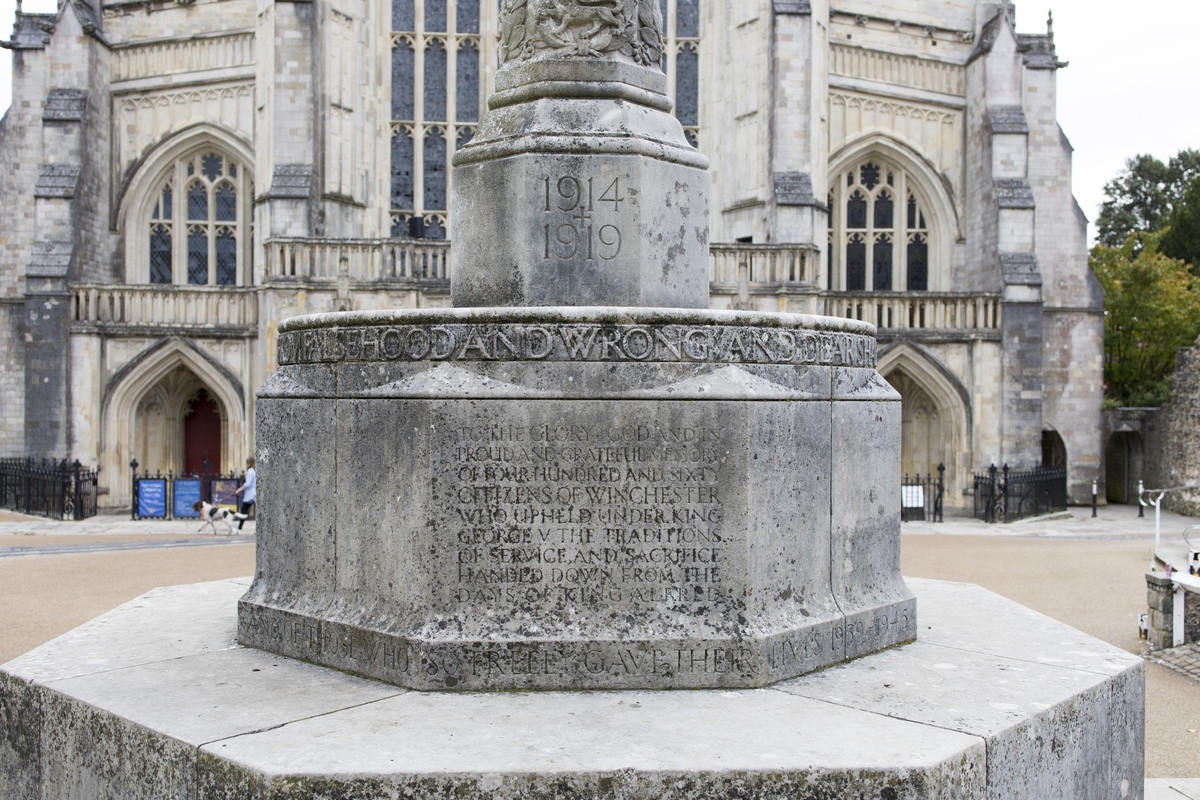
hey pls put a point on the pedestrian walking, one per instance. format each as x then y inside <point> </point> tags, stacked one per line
<point>248,491</point>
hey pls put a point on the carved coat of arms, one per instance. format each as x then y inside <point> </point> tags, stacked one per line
<point>533,29</point>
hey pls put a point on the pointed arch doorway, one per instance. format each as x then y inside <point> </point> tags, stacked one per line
<point>202,435</point>
<point>935,414</point>
<point>922,434</point>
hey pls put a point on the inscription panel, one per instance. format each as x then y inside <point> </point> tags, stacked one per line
<point>577,342</point>
<point>582,218</point>
<point>583,509</point>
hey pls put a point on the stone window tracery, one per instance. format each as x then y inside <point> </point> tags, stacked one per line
<point>681,62</point>
<point>438,88</point>
<point>876,241</point>
<point>203,240</point>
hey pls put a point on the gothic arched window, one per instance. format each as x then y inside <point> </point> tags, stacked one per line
<point>449,51</point>
<point>877,240</point>
<point>201,239</point>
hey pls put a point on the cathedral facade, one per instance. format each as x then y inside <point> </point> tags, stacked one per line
<point>182,176</point>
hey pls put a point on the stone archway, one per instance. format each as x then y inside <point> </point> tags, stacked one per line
<point>935,417</point>
<point>1123,462</point>
<point>145,406</point>
<point>922,437</point>
<point>177,424</point>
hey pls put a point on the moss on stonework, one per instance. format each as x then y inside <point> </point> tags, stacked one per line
<point>224,781</point>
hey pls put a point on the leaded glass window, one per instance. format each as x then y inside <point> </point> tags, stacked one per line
<point>877,243</point>
<point>435,168</point>
<point>204,232</point>
<point>681,62</point>
<point>439,51</point>
<point>918,248</point>
<point>160,238</point>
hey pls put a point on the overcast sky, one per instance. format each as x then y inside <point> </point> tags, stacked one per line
<point>1129,88</point>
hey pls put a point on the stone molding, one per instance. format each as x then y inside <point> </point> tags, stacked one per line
<point>932,133</point>
<point>1038,51</point>
<point>907,71</point>
<point>987,37</point>
<point>50,259</point>
<point>1020,269</point>
<point>795,189</point>
<point>145,120</point>
<point>65,105</point>
<point>31,31</point>
<point>793,7</point>
<point>291,181</point>
<point>1014,193</point>
<point>1007,119</point>
<point>152,59</point>
<point>57,180</point>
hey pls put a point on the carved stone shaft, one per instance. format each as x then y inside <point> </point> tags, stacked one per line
<point>579,187</point>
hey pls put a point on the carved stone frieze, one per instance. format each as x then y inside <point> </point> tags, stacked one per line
<point>536,29</point>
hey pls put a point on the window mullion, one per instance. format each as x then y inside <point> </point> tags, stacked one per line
<point>212,234</point>
<point>901,258</point>
<point>869,280</point>
<point>179,264</point>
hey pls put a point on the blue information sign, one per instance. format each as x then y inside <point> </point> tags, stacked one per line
<point>186,492</point>
<point>224,493</point>
<point>152,498</point>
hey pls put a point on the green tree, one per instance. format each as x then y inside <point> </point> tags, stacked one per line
<point>1182,241</point>
<point>1143,196</point>
<point>1151,309</point>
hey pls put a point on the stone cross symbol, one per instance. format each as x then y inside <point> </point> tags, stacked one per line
<point>582,215</point>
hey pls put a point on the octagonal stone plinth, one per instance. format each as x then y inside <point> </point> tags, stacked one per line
<point>577,498</point>
<point>156,700</point>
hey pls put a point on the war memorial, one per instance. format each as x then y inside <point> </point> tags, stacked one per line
<point>577,536</point>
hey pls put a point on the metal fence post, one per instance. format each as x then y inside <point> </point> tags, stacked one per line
<point>78,491</point>
<point>991,507</point>
<point>133,504</point>
<point>1004,494</point>
<point>940,508</point>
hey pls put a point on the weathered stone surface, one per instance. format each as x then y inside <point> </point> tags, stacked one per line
<point>976,709</point>
<point>605,203</point>
<point>576,498</point>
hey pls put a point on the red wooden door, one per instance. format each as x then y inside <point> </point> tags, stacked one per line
<point>202,436</point>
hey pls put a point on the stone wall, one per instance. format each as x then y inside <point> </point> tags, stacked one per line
<point>1160,626</point>
<point>1180,465</point>
<point>12,379</point>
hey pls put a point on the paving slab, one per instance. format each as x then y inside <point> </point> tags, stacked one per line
<point>1173,789</point>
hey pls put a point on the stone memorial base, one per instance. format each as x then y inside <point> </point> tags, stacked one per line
<point>577,498</point>
<point>156,700</point>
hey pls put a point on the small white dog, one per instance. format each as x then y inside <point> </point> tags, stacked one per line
<point>212,514</point>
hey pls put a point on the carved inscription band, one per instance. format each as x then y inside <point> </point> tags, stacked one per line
<point>577,342</point>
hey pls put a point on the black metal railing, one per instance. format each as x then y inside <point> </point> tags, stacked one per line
<point>48,488</point>
<point>172,496</point>
<point>921,498</point>
<point>1004,495</point>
